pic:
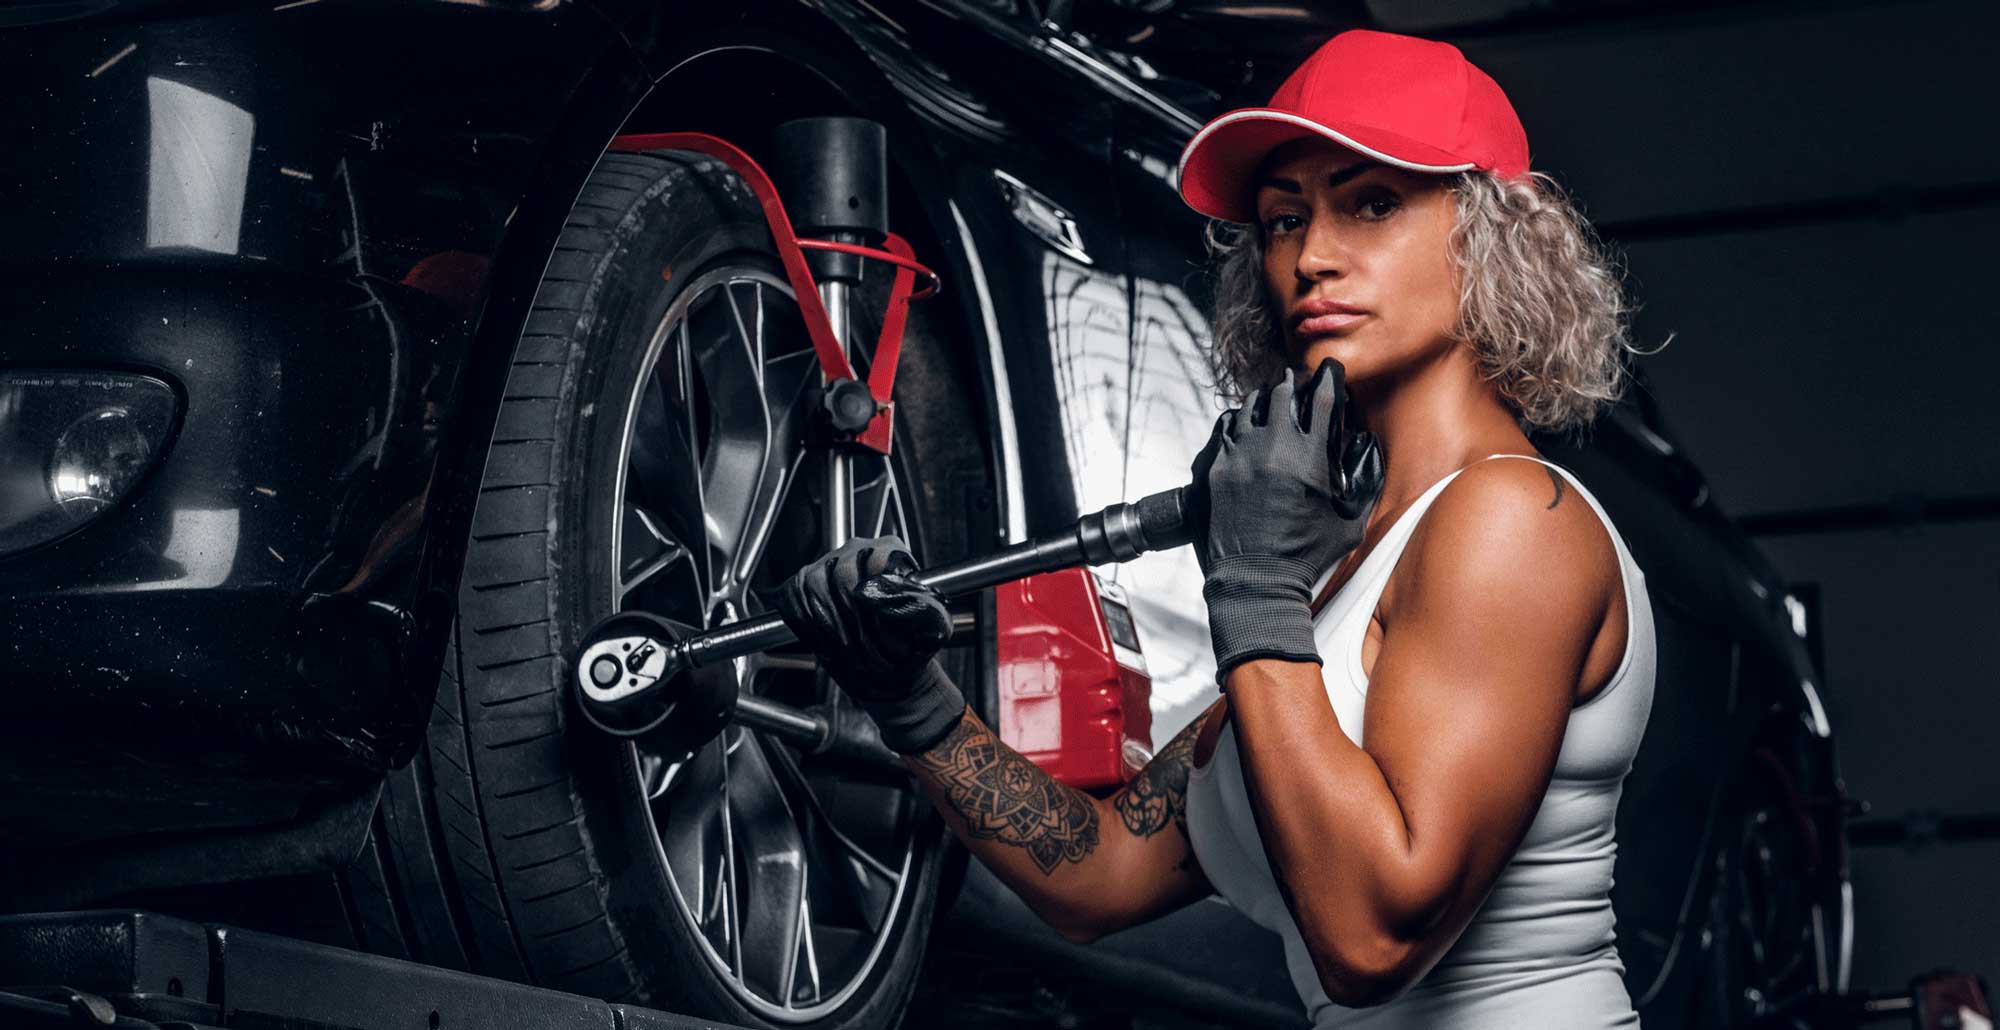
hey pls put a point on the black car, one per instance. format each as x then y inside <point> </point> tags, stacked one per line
<point>349,377</point>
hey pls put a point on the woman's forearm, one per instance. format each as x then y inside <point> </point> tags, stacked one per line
<point>1014,816</point>
<point>1085,865</point>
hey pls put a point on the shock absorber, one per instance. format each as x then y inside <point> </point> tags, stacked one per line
<point>833,173</point>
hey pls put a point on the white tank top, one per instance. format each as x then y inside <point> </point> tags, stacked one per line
<point>1539,953</point>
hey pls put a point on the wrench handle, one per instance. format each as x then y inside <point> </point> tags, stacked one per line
<point>1118,533</point>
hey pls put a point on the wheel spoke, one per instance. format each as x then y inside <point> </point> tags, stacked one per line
<point>799,789</point>
<point>866,884</point>
<point>743,463</point>
<point>663,471</point>
<point>732,891</point>
<point>772,860</point>
<point>770,504</point>
<point>755,457</point>
<point>890,503</point>
<point>693,817</point>
<point>877,504</point>
<point>646,549</point>
<point>809,948</point>
<point>657,774</point>
<point>784,396</point>
<point>752,340</point>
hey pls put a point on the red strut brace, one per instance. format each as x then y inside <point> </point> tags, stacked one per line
<point>879,433</point>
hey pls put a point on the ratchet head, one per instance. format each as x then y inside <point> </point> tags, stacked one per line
<point>634,680</point>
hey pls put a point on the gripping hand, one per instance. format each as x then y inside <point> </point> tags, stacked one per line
<point>876,631</point>
<point>1281,491</point>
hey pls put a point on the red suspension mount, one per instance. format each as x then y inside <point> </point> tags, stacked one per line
<point>877,433</point>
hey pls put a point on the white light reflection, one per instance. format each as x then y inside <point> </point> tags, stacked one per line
<point>198,170</point>
<point>1137,404</point>
<point>1817,717</point>
<point>203,544</point>
<point>1003,390</point>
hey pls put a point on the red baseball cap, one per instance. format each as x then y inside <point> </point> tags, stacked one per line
<point>1408,102</point>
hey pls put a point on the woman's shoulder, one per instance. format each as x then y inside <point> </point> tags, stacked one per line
<point>1506,531</point>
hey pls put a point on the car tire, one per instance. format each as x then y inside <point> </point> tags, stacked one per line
<point>522,843</point>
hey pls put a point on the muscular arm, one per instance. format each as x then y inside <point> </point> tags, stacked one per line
<point>1386,853</point>
<point>1086,866</point>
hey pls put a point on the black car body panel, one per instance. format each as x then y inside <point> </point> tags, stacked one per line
<point>308,252</point>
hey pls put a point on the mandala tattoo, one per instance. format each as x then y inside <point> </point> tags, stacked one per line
<point>1003,796</point>
<point>1558,481</point>
<point>1158,795</point>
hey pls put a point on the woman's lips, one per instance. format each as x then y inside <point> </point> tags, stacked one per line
<point>1332,322</point>
<point>1319,315</point>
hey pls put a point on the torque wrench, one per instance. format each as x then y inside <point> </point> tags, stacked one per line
<point>643,676</point>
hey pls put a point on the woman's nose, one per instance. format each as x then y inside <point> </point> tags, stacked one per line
<point>1322,253</point>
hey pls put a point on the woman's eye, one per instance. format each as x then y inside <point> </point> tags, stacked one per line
<point>1377,204</point>
<point>1280,224</point>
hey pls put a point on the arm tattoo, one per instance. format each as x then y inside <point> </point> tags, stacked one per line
<point>1158,795</point>
<point>1558,481</point>
<point>1003,796</point>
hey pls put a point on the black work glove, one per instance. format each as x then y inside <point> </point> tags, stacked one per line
<point>1281,491</point>
<point>877,631</point>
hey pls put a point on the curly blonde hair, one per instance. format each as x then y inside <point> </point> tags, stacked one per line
<point>1541,301</point>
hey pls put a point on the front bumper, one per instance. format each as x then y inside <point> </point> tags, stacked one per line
<point>243,632</point>
<point>302,249</point>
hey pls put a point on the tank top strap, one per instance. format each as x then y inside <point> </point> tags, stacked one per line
<point>1368,580</point>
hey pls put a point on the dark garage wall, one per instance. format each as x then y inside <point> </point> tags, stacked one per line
<point>1911,654</point>
<point>1806,195</point>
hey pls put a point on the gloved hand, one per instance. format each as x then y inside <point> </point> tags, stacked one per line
<point>1281,491</point>
<point>876,631</point>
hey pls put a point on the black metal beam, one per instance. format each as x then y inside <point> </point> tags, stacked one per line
<point>1886,204</point>
<point>1917,829</point>
<point>1898,513</point>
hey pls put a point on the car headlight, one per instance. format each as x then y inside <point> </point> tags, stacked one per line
<point>72,445</point>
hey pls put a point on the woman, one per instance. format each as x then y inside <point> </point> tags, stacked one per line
<point>1431,702</point>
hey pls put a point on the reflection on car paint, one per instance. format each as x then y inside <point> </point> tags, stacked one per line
<point>198,168</point>
<point>1138,402</point>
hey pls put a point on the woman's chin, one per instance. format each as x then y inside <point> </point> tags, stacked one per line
<point>1345,349</point>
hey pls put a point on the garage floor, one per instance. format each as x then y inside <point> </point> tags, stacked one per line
<point>968,991</point>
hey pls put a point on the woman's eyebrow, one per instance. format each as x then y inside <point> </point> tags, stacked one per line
<point>1333,179</point>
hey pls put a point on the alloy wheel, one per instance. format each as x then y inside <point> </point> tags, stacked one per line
<point>789,872</point>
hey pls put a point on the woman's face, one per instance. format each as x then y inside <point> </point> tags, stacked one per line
<point>1356,259</point>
